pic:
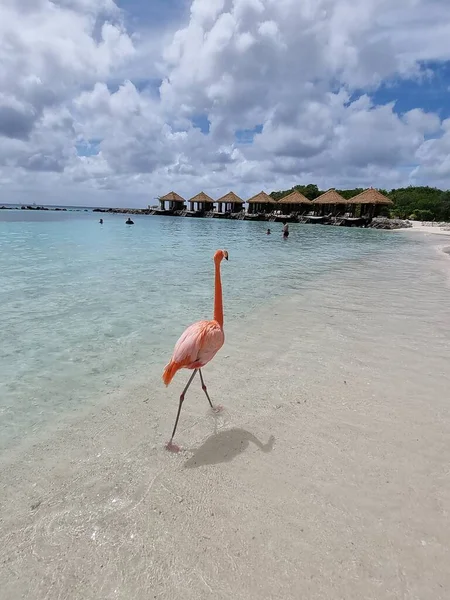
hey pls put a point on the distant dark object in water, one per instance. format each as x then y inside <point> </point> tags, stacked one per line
<point>129,222</point>
<point>34,207</point>
<point>101,221</point>
<point>268,232</point>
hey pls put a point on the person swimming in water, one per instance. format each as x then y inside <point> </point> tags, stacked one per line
<point>285,230</point>
<point>101,221</point>
<point>129,222</point>
<point>268,232</point>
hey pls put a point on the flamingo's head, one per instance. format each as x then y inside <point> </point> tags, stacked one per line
<point>220,255</point>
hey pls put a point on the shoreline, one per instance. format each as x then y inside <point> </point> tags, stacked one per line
<point>325,477</point>
<point>417,227</point>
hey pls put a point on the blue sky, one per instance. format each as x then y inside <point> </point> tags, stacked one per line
<point>153,13</point>
<point>431,91</point>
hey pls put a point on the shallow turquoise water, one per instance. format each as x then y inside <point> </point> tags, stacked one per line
<point>86,307</point>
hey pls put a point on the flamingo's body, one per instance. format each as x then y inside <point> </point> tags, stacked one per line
<point>199,343</point>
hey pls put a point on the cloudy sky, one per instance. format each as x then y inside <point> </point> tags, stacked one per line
<point>115,103</point>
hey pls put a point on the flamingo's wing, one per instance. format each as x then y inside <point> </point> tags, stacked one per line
<point>187,348</point>
<point>197,343</point>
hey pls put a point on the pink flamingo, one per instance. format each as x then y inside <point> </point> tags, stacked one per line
<point>199,343</point>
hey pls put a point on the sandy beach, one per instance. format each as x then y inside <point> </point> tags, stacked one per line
<point>417,227</point>
<point>326,477</point>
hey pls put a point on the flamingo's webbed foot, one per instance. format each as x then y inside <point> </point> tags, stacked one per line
<point>171,447</point>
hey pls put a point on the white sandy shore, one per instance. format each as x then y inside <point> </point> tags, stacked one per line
<point>325,478</point>
<point>417,227</point>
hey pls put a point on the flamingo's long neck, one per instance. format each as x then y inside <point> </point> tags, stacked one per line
<point>218,306</point>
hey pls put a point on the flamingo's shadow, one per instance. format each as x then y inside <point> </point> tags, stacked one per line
<point>224,447</point>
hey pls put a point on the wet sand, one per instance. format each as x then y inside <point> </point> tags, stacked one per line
<point>326,477</point>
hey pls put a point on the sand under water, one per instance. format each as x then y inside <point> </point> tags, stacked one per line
<point>326,476</point>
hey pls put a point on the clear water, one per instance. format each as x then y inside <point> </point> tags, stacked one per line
<point>86,308</point>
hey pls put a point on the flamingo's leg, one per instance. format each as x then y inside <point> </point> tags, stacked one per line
<point>217,408</point>
<point>204,388</point>
<point>171,446</point>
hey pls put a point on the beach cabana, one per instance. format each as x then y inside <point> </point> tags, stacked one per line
<point>368,203</point>
<point>175,201</point>
<point>230,203</point>
<point>294,202</point>
<point>261,203</point>
<point>330,202</point>
<point>201,203</point>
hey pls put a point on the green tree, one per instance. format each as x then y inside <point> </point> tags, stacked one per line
<point>347,194</point>
<point>310,191</point>
<point>421,202</point>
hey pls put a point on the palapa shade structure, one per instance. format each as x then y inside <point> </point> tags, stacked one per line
<point>293,202</point>
<point>176,202</point>
<point>261,203</point>
<point>294,197</point>
<point>331,198</point>
<point>370,201</point>
<point>203,201</point>
<point>230,203</point>
<point>370,196</point>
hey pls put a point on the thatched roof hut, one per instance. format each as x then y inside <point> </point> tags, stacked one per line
<point>203,201</point>
<point>176,202</point>
<point>172,196</point>
<point>330,197</point>
<point>295,197</point>
<point>261,198</point>
<point>370,196</point>
<point>230,198</point>
<point>202,198</point>
<point>230,202</point>
<point>260,203</point>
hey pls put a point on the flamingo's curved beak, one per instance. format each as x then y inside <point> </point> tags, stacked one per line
<point>225,255</point>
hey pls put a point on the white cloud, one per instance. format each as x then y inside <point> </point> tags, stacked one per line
<point>75,117</point>
<point>433,158</point>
